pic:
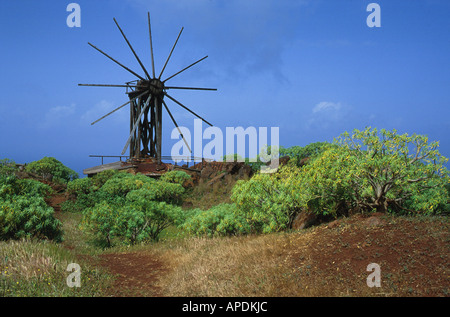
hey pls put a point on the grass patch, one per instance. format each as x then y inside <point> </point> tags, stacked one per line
<point>38,269</point>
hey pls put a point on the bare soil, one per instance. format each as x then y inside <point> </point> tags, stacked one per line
<point>137,274</point>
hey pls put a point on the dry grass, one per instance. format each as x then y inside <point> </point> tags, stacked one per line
<point>27,259</point>
<point>322,261</point>
<point>225,267</point>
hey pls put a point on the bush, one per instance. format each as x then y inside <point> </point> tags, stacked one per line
<point>7,167</point>
<point>137,220</point>
<point>270,202</point>
<point>80,186</point>
<point>50,168</point>
<point>144,219</point>
<point>123,183</point>
<point>159,191</point>
<point>384,171</point>
<point>103,220</point>
<point>101,178</point>
<point>126,206</point>
<point>298,153</point>
<point>176,177</point>
<point>219,220</point>
<point>11,186</point>
<point>28,217</point>
<point>24,212</point>
<point>368,171</point>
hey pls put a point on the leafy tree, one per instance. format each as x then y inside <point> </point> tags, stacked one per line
<point>385,169</point>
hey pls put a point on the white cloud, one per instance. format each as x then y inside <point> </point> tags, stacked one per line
<point>326,106</point>
<point>57,115</point>
<point>327,114</point>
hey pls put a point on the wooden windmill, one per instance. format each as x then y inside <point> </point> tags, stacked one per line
<point>146,98</point>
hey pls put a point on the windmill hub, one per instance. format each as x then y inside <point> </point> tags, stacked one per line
<point>156,87</point>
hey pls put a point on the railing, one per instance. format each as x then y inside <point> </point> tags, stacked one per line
<point>175,159</point>
<point>110,156</point>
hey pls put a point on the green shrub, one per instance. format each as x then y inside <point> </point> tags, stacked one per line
<point>103,220</point>
<point>24,212</point>
<point>28,217</point>
<point>135,221</point>
<point>84,201</point>
<point>367,171</point>
<point>123,183</point>
<point>144,219</point>
<point>101,178</point>
<point>270,202</point>
<point>11,186</point>
<point>384,171</point>
<point>51,168</point>
<point>219,220</point>
<point>177,177</point>
<point>130,207</point>
<point>7,167</point>
<point>80,186</point>
<point>298,153</point>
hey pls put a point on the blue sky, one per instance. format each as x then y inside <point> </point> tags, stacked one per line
<point>312,68</point>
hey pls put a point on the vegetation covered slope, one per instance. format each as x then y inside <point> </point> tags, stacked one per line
<point>387,192</point>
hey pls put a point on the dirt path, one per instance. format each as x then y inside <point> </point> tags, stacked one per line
<point>55,202</point>
<point>137,274</point>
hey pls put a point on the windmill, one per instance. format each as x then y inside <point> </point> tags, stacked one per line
<point>146,98</point>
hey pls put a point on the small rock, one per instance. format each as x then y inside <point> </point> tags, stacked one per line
<point>304,220</point>
<point>374,222</point>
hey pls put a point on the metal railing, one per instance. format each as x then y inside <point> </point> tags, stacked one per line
<point>110,156</point>
<point>175,159</point>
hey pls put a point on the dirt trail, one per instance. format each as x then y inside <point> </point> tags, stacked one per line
<point>137,274</point>
<point>55,202</point>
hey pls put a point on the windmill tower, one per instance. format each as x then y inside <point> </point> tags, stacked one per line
<point>146,99</point>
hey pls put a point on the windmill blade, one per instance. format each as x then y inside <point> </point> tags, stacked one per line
<point>175,123</point>
<point>176,101</point>
<point>185,68</point>
<point>116,62</point>
<point>191,88</point>
<point>146,92</point>
<point>151,44</point>
<point>107,85</point>
<point>131,47</point>
<point>171,53</point>
<point>136,124</point>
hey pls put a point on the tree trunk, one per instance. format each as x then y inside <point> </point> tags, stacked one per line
<point>381,204</point>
